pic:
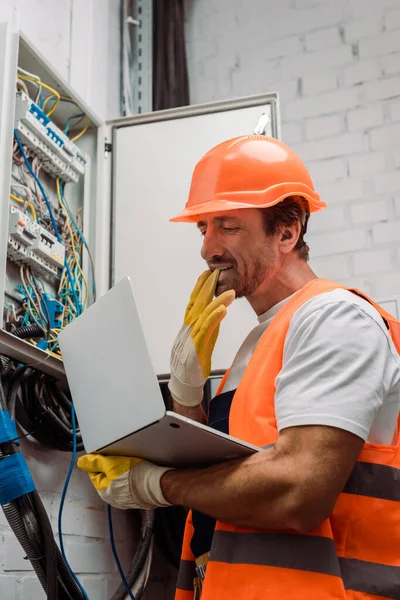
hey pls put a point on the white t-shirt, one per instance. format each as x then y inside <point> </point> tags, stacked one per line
<point>340,367</point>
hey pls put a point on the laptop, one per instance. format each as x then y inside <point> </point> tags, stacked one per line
<point>117,396</point>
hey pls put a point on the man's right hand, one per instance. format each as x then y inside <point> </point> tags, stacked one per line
<point>194,344</point>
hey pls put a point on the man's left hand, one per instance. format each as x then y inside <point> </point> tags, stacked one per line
<point>125,482</point>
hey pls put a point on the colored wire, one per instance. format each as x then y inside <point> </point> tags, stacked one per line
<point>29,294</point>
<point>81,133</point>
<point>61,201</point>
<point>20,201</point>
<point>47,87</point>
<point>63,496</point>
<point>49,98</point>
<point>82,238</point>
<point>72,282</point>
<point>115,554</point>
<point>40,186</point>
<point>80,116</point>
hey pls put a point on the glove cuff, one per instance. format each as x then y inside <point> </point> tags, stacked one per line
<point>185,394</point>
<point>145,483</point>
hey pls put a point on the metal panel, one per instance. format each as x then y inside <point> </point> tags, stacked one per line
<point>153,159</point>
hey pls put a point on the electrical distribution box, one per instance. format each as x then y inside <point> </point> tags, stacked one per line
<point>49,203</point>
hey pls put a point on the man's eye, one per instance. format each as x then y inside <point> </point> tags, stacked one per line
<point>230,229</point>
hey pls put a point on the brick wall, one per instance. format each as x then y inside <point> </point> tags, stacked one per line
<point>336,65</point>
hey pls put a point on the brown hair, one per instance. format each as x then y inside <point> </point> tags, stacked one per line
<point>287,212</point>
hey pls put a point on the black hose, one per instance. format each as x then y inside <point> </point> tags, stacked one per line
<point>139,559</point>
<point>5,365</point>
<point>28,331</point>
<point>49,545</point>
<point>14,518</point>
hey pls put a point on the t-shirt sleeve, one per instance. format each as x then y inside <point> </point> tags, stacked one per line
<point>335,357</point>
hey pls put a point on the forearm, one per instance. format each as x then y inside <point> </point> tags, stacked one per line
<point>196,413</point>
<point>253,492</point>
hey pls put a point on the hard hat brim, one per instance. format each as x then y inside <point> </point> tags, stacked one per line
<point>234,201</point>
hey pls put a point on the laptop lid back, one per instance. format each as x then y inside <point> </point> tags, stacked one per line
<point>109,371</point>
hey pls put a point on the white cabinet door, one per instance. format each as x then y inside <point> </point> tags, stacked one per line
<point>154,157</point>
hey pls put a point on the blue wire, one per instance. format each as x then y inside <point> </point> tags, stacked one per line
<point>70,119</point>
<point>114,551</point>
<point>63,495</point>
<point>53,222</point>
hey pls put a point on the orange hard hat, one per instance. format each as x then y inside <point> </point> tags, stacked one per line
<point>252,171</point>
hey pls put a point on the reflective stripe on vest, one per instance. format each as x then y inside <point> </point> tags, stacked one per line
<point>187,572</point>
<point>371,578</point>
<point>374,481</point>
<point>357,548</point>
<point>308,553</point>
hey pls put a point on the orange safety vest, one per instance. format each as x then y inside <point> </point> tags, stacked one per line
<point>354,554</point>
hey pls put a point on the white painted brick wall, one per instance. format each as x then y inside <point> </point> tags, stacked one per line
<point>365,118</point>
<point>324,126</point>
<point>340,107</point>
<point>314,84</point>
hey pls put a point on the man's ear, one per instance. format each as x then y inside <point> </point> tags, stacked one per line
<point>288,237</point>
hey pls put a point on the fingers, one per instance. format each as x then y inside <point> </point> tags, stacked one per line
<point>196,290</point>
<point>205,296</point>
<point>112,466</point>
<point>89,463</point>
<point>208,328</point>
<point>224,299</point>
<point>100,481</point>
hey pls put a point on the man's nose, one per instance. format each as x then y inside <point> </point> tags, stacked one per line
<point>211,247</point>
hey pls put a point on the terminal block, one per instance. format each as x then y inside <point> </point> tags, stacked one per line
<point>61,157</point>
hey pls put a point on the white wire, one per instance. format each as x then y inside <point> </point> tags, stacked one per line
<point>28,73</point>
<point>21,85</point>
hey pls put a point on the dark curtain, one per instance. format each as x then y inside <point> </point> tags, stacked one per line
<point>170,76</point>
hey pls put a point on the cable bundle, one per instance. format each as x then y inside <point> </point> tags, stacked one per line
<point>41,408</point>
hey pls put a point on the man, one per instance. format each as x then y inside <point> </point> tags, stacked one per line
<point>316,514</point>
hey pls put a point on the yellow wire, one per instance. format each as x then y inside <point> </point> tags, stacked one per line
<point>41,84</point>
<point>47,100</point>
<point>77,260</point>
<point>81,133</point>
<point>20,201</point>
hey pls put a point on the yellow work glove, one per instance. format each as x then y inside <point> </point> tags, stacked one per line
<point>191,353</point>
<point>125,482</point>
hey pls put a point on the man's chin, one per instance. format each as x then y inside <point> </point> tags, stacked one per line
<point>224,287</point>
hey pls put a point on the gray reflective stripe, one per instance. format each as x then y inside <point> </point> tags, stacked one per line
<point>186,574</point>
<point>290,551</point>
<point>375,481</point>
<point>371,578</point>
<point>267,446</point>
